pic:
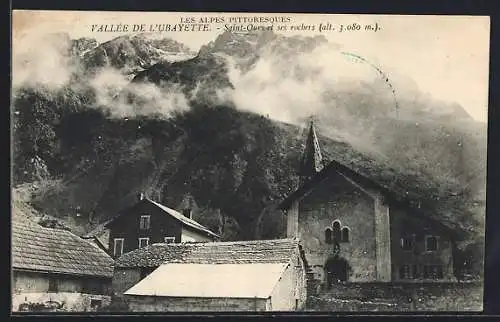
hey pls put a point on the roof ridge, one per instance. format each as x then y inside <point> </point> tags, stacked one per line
<point>235,242</point>
<point>181,217</point>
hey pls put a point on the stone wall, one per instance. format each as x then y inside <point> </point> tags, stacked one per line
<point>193,304</point>
<point>60,302</point>
<point>396,297</point>
<point>285,295</point>
<point>69,293</point>
<point>125,278</point>
<point>338,199</point>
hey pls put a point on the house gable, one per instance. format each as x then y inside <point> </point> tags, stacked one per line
<point>128,227</point>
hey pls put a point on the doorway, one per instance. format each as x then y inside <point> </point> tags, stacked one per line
<point>336,270</point>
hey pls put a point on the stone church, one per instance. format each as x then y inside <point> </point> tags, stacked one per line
<point>353,229</point>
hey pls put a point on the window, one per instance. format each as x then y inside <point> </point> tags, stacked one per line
<point>90,286</point>
<point>408,272</point>
<point>328,235</point>
<point>118,247</point>
<point>169,240</point>
<point>404,272</point>
<point>431,243</point>
<point>52,285</point>
<point>336,230</point>
<point>186,212</point>
<point>433,271</point>
<point>345,234</point>
<point>143,242</point>
<point>407,243</point>
<point>145,222</point>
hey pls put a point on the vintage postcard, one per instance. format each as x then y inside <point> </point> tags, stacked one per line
<point>173,162</point>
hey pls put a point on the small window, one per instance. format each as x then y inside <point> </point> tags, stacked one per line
<point>118,247</point>
<point>91,286</point>
<point>328,236</point>
<point>143,242</point>
<point>336,230</point>
<point>145,222</point>
<point>433,271</point>
<point>169,240</point>
<point>345,235</point>
<point>408,272</point>
<point>405,272</point>
<point>187,212</point>
<point>407,243</point>
<point>52,285</point>
<point>431,243</point>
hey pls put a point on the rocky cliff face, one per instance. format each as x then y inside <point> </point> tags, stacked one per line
<point>131,54</point>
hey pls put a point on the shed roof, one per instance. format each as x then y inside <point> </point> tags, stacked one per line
<point>49,250</point>
<point>256,280</point>
<point>238,252</point>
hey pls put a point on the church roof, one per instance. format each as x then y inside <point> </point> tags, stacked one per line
<point>312,160</point>
<point>335,166</point>
<point>235,252</point>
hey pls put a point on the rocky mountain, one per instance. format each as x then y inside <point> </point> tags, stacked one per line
<point>233,135</point>
<point>81,46</point>
<point>133,53</point>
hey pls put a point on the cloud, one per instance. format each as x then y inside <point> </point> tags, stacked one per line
<point>124,99</point>
<point>41,60</point>
<point>291,90</point>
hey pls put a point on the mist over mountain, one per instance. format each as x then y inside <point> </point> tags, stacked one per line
<point>96,123</point>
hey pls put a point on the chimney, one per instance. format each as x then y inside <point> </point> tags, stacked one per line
<point>187,212</point>
<point>140,196</point>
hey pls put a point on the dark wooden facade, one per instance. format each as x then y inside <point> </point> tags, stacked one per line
<point>160,225</point>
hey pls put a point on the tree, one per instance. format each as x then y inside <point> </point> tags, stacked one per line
<point>33,133</point>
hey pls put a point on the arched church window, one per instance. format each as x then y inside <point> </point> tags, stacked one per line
<point>336,230</point>
<point>328,236</point>
<point>345,234</point>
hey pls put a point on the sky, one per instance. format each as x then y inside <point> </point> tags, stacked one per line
<point>446,56</point>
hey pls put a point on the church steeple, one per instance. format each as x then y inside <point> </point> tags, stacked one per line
<point>311,161</point>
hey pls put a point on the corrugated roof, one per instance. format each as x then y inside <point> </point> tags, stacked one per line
<point>56,251</point>
<point>239,252</point>
<point>208,280</point>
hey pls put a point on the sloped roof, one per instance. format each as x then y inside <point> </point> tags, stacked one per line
<point>239,252</point>
<point>335,166</point>
<point>177,215</point>
<point>56,251</point>
<point>256,280</point>
<point>185,220</point>
<point>311,161</point>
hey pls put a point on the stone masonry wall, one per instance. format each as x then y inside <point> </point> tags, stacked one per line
<point>390,297</point>
<point>337,199</point>
<point>192,304</point>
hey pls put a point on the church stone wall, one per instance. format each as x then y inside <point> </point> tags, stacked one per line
<point>338,199</point>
